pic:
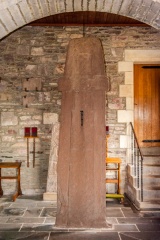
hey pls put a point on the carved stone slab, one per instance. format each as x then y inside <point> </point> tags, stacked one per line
<point>81,160</point>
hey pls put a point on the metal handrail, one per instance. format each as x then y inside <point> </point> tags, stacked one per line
<point>135,137</point>
<point>138,162</point>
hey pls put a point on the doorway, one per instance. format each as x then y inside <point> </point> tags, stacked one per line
<point>147,104</point>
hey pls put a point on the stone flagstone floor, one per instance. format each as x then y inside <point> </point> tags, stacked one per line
<point>29,217</point>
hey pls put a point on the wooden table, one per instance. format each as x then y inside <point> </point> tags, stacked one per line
<point>17,166</point>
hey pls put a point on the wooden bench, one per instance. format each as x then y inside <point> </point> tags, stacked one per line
<point>16,165</point>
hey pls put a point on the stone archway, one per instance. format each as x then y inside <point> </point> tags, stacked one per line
<point>16,13</point>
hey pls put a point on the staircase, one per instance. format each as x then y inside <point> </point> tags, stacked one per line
<point>151,177</point>
<point>143,174</point>
<point>151,181</point>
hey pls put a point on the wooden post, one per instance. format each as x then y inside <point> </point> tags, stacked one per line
<point>34,143</point>
<point>27,152</point>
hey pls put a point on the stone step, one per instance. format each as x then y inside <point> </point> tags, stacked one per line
<point>130,169</point>
<point>153,201</point>
<point>150,159</point>
<point>151,180</point>
<point>150,150</point>
<point>152,204</point>
<point>149,193</point>
<point>134,195</point>
<point>132,180</point>
<point>153,176</point>
<point>148,181</point>
<point>155,187</point>
<point>150,169</point>
<point>151,165</point>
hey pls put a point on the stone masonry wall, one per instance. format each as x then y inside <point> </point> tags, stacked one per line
<point>37,55</point>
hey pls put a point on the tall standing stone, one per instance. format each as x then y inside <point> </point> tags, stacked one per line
<point>81,161</point>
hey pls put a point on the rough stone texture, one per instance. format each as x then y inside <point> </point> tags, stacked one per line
<point>53,157</point>
<point>81,159</point>
<point>30,84</point>
<point>23,50</point>
<point>47,101</point>
<point>8,119</point>
<point>37,51</point>
<point>50,118</point>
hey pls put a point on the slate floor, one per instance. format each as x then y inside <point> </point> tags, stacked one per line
<point>32,218</point>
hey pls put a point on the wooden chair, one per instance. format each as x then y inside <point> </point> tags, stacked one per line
<point>116,168</point>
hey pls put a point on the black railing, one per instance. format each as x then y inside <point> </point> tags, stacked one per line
<point>137,161</point>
